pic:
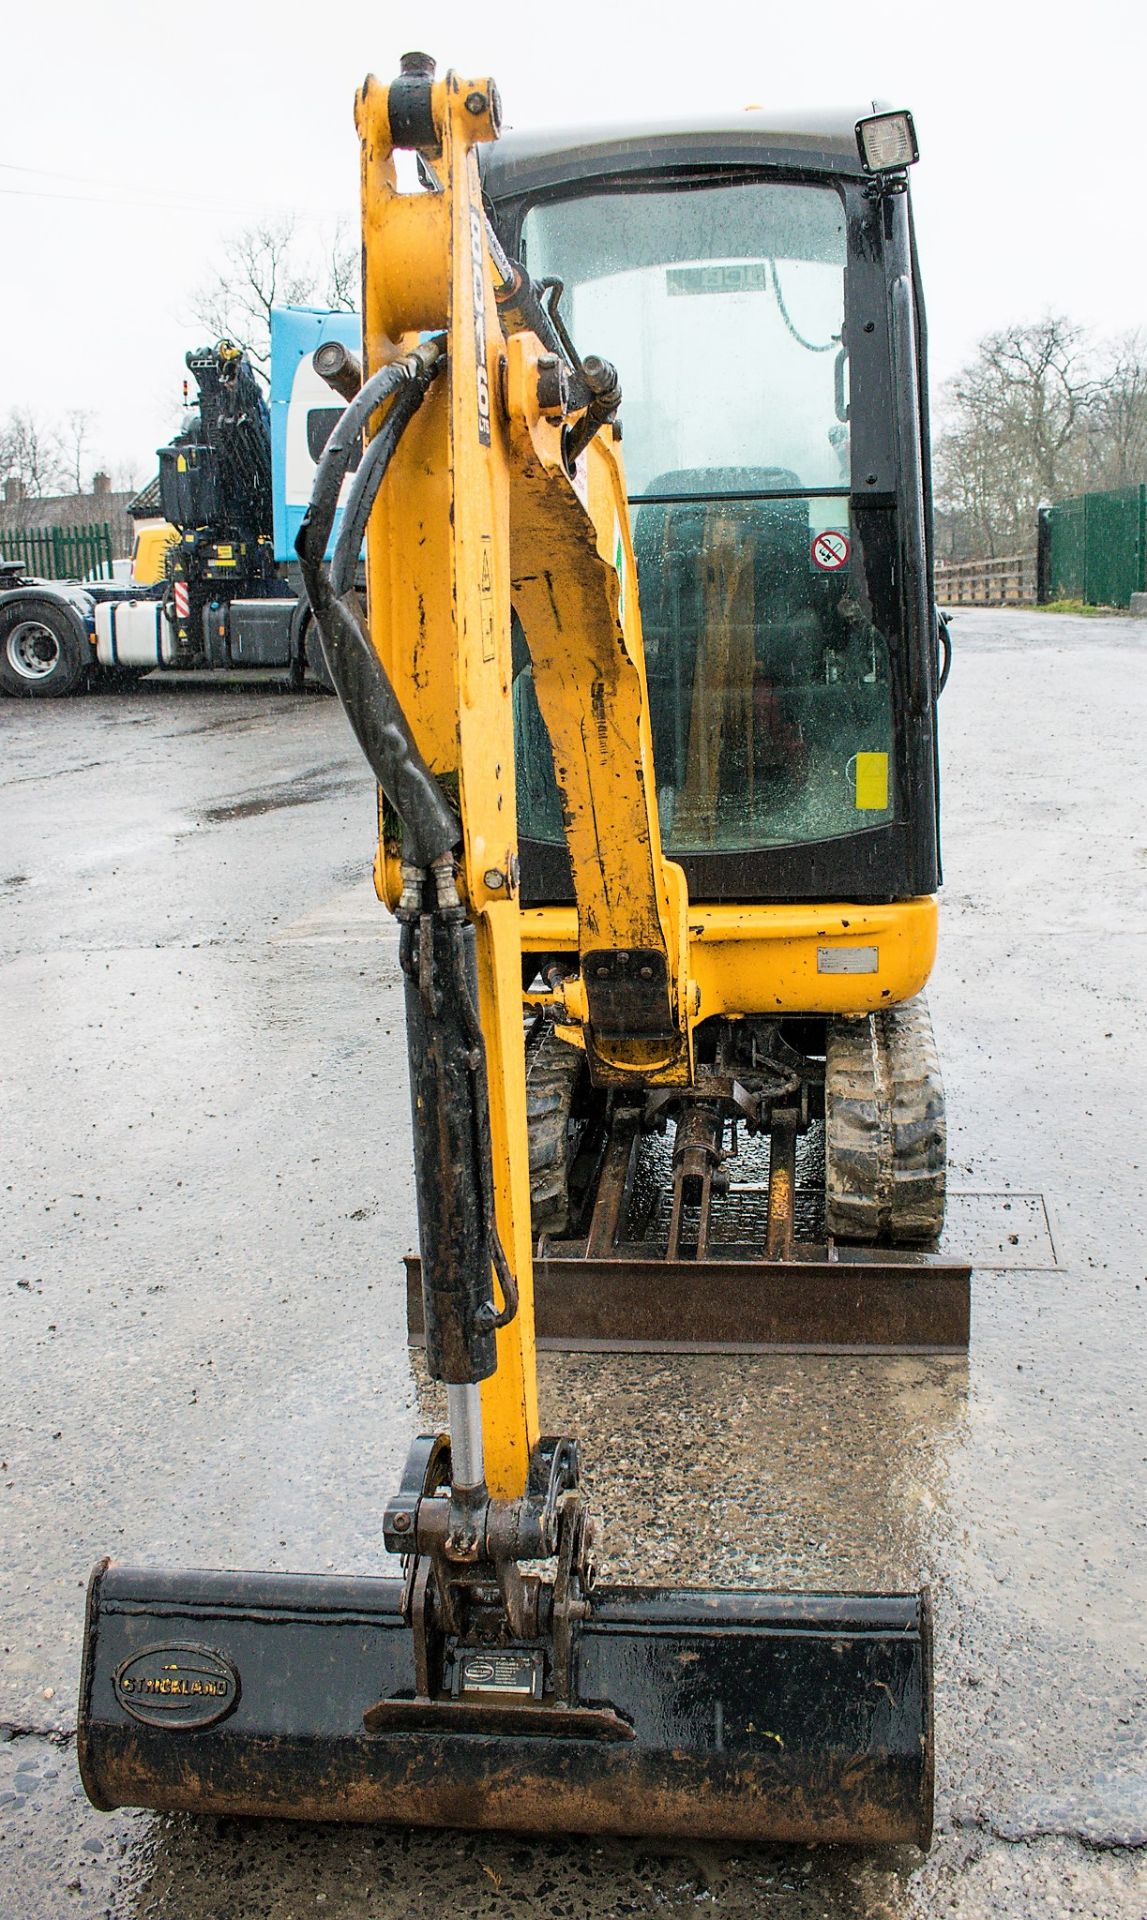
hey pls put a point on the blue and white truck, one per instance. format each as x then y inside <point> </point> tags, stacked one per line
<point>234,483</point>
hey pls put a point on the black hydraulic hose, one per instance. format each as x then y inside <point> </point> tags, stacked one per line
<point>412,374</point>
<point>331,470</point>
<point>359,678</point>
<point>373,711</point>
<point>521,307</point>
<point>382,731</point>
<point>363,686</point>
<point>365,486</point>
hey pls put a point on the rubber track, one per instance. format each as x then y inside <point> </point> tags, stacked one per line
<point>552,1070</point>
<point>885,1133</point>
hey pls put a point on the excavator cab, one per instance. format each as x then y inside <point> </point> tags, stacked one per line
<point>758,289</point>
<point>756,279</point>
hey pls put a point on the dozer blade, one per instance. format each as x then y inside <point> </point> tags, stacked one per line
<point>736,1716</point>
<point>854,1302</point>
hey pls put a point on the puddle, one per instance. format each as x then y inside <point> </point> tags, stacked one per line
<point>303,792</point>
<point>234,723</point>
<point>54,774</point>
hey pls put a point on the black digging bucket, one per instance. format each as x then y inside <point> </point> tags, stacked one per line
<point>761,1717</point>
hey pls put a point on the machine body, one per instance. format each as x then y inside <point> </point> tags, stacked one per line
<point>501,679</point>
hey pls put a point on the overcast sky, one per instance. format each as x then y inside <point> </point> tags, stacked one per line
<point>134,138</point>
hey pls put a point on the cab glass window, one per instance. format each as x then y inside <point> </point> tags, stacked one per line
<point>769,684</point>
<point>723,309</point>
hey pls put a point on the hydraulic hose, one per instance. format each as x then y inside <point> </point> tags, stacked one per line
<point>359,678</point>
<point>331,471</point>
<point>522,308</point>
<point>365,486</point>
<point>430,827</point>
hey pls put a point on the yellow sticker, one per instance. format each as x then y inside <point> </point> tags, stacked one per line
<point>872,782</point>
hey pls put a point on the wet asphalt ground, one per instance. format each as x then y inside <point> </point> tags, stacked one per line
<point>207,1194</point>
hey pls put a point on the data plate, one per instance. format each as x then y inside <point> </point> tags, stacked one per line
<point>847,959</point>
<point>516,1671</point>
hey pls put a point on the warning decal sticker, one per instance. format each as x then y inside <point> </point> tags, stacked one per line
<point>830,550</point>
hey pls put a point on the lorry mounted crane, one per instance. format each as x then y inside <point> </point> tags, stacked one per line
<point>227,591</point>
<point>694,840</point>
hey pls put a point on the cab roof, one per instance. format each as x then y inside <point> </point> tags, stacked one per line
<point>534,159</point>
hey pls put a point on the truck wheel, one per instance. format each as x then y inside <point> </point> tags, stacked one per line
<point>41,655</point>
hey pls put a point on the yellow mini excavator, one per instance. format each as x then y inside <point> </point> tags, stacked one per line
<point>665,876</point>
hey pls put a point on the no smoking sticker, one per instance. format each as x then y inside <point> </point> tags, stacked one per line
<point>830,551</point>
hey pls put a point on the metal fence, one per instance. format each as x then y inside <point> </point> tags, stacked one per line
<point>1094,548</point>
<point>1006,582</point>
<point>61,553</point>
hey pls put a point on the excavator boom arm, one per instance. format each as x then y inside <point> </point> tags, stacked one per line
<point>484,509</point>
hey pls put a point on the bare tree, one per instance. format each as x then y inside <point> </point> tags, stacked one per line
<point>75,438</point>
<point>125,475</point>
<point>968,493</point>
<point>1018,432</point>
<point>262,268</point>
<point>343,260</point>
<point>1119,416</point>
<point>31,453</point>
<point>271,265</point>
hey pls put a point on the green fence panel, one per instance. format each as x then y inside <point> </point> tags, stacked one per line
<point>1098,547</point>
<point>61,553</point>
<point>1113,559</point>
<point>1067,530</point>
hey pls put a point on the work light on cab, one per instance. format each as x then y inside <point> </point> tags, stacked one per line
<point>887,142</point>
